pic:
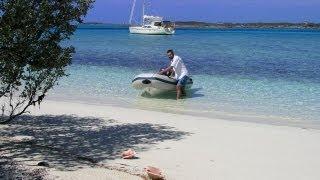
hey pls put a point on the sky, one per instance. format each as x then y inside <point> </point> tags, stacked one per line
<point>118,11</point>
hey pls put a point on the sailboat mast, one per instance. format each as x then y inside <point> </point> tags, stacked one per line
<point>143,4</point>
<point>132,11</point>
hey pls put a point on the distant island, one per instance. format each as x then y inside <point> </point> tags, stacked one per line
<point>226,25</point>
<point>195,24</point>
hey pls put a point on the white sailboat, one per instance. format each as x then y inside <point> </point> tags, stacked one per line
<point>152,25</point>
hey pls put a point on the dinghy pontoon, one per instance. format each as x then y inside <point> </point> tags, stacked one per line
<point>155,83</point>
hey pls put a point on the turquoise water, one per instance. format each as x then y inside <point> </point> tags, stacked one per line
<point>271,74</point>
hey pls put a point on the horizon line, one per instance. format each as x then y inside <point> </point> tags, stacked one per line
<point>220,22</point>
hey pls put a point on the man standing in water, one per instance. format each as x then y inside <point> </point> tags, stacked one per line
<point>180,70</point>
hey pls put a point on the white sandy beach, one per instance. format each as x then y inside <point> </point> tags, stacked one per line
<point>184,147</point>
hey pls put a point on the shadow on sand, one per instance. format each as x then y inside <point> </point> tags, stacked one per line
<point>63,140</point>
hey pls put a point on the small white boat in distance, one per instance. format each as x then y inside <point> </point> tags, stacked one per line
<point>151,25</point>
<point>155,83</point>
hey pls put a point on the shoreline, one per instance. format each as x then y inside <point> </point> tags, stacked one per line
<point>183,146</point>
<point>224,115</point>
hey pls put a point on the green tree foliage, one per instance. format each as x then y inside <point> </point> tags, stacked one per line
<point>32,59</point>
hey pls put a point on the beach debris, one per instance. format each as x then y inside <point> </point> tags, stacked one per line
<point>84,158</point>
<point>154,173</point>
<point>128,154</point>
<point>44,164</point>
<point>13,169</point>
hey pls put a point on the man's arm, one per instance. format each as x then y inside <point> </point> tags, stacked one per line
<point>165,71</point>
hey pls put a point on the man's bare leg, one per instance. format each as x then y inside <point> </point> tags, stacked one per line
<point>179,91</point>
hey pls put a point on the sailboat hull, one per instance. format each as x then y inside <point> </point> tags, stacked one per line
<point>151,30</point>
